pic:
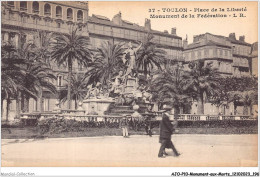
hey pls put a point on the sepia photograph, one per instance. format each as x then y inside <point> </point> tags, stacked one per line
<point>129,84</point>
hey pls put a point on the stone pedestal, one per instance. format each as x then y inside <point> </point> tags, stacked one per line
<point>130,85</point>
<point>96,106</point>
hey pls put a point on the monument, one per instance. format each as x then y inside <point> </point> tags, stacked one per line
<point>124,92</point>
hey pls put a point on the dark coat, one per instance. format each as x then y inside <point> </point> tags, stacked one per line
<point>166,128</point>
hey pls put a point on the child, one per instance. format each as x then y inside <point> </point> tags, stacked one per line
<point>124,126</point>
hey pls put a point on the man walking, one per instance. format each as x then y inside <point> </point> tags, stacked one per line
<point>166,130</point>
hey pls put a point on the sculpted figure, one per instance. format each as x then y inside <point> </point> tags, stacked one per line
<point>130,58</point>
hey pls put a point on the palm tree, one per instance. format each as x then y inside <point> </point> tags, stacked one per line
<point>12,73</point>
<point>107,63</point>
<point>168,87</point>
<point>66,49</point>
<point>149,57</point>
<point>79,84</point>
<point>41,48</point>
<point>201,79</point>
<point>37,78</point>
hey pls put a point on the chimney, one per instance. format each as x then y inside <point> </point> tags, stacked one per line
<point>147,24</point>
<point>173,31</point>
<point>196,38</point>
<point>242,38</point>
<point>117,19</point>
<point>185,43</point>
<point>232,36</point>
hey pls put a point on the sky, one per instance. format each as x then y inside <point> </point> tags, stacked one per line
<point>136,12</point>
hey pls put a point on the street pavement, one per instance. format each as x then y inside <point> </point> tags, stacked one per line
<point>139,150</point>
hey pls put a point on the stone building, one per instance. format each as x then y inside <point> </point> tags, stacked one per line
<point>22,21</point>
<point>117,30</point>
<point>230,55</point>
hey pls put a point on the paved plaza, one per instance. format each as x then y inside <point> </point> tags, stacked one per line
<point>141,150</point>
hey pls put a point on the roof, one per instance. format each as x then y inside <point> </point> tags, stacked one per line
<point>208,43</point>
<point>101,17</point>
<point>238,42</point>
<point>126,24</point>
<point>76,4</point>
<point>231,40</point>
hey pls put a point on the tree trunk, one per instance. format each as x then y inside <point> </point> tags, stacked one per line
<point>69,83</point>
<point>8,101</point>
<point>26,104</point>
<point>2,107</point>
<point>40,103</point>
<point>18,105</point>
<point>200,104</point>
<point>22,102</point>
<point>76,105</point>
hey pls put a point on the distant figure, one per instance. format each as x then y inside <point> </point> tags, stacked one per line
<point>130,58</point>
<point>166,130</point>
<point>148,126</point>
<point>124,125</point>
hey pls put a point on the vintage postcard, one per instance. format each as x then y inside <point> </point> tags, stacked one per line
<point>129,84</point>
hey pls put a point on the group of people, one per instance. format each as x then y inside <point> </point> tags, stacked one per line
<point>167,128</point>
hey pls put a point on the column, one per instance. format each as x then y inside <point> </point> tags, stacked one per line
<point>41,8</point>
<point>74,12</point>
<point>29,6</point>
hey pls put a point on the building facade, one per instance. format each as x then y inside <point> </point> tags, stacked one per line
<point>229,55</point>
<point>22,21</point>
<point>117,30</point>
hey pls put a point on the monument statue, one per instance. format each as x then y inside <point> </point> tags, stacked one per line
<point>118,84</point>
<point>130,58</point>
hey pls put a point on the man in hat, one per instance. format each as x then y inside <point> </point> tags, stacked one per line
<point>166,130</point>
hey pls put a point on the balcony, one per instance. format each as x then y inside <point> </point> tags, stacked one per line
<point>24,9</point>
<point>59,15</point>
<point>70,18</point>
<point>36,11</point>
<point>80,20</point>
<point>47,14</point>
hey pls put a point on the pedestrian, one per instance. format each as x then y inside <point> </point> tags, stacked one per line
<point>148,128</point>
<point>166,130</point>
<point>124,125</point>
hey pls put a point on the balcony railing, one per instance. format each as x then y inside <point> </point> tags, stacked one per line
<point>36,11</point>
<point>58,15</point>
<point>23,8</point>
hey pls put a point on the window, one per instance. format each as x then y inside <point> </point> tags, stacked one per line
<point>24,19</point>
<point>58,11</point>
<point>206,52</point>
<point>220,52</point>
<point>192,55</point>
<point>10,4</point>
<point>80,15</point>
<point>58,24</point>
<point>215,52</point>
<point>199,53</point>
<point>69,14</point>
<point>23,6</point>
<point>226,53</point>
<point>47,9</point>
<point>35,7</point>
